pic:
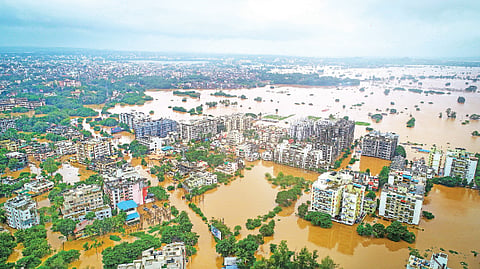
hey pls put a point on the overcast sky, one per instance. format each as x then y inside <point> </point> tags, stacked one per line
<point>328,28</point>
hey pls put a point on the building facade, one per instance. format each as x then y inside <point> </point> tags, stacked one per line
<point>199,179</point>
<point>93,148</point>
<point>460,163</point>
<point>83,199</point>
<point>21,212</point>
<point>379,145</point>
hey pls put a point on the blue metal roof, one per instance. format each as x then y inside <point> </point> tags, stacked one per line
<point>167,148</point>
<point>133,216</point>
<point>126,205</point>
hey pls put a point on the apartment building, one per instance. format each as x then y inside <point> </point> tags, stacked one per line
<point>21,212</point>
<point>125,184</point>
<point>324,131</point>
<point>379,145</point>
<point>93,148</point>
<point>37,187</point>
<point>199,179</point>
<point>160,127</point>
<point>133,118</point>
<point>83,199</point>
<point>7,123</point>
<point>435,160</point>
<point>402,202</point>
<point>65,148</point>
<point>198,129</point>
<point>460,163</point>
<point>334,193</point>
<point>303,156</point>
<point>238,122</point>
<point>170,256</point>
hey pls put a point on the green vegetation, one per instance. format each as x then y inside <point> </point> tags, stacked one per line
<point>127,252</point>
<point>179,109</point>
<point>302,210</point>
<point>399,89</point>
<point>258,99</point>
<point>137,149</point>
<point>192,94</point>
<point>222,94</point>
<point>362,123</point>
<point>475,133</point>
<point>159,192</point>
<point>319,219</point>
<point>415,90</point>
<point>394,232</point>
<point>65,226</point>
<point>62,259</point>
<point>197,210</point>
<point>411,122</point>
<point>282,257</point>
<point>449,181</point>
<point>180,230</point>
<point>400,151</point>
<point>211,104</point>
<point>461,100</point>
<point>383,176</point>
<point>286,197</point>
<point>427,215</point>
<point>315,118</point>
<point>251,224</point>
<point>104,226</point>
<point>377,117</point>
<point>224,229</point>
<point>278,117</point>
<point>471,88</point>
<point>7,243</point>
<point>35,244</point>
<point>338,163</point>
<point>244,249</point>
<point>307,79</point>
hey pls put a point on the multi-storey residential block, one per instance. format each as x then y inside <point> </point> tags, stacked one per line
<point>103,164</point>
<point>171,256</point>
<point>155,143</point>
<point>197,129</point>
<point>160,127</point>
<point>379,145</point>
<point>21,157</point>
<point>438,261</point>
<point>125,184</point>
<point>93,148</point>
<point>334,193</point>
<point>65,148</point>
<point>402,202</point>
<point>435,159</point>
<point>199,179</point>
<point>83,199</point>
<point>237,122</point>
<point>303,156</point>
<point>133,118</point>
<point>37,187</point>
<point>65,131</point>
<point>460,163</point>
<point>7,123</point>
<point>11,145</point>
<point>21,212</point>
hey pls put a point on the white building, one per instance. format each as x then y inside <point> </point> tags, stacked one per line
<point>334,193</point>
<point>21,212</point>
<point>171,256</point>
<point>462,164</point>
<point>83,199</point>
<point>401,202</point>
<point>199,179</point>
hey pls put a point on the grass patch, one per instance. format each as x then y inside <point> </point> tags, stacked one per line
<point>362,123</point>
<point>115,238</point>
<point>277,117</point>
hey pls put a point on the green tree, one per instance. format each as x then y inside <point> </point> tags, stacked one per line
<point>226,247</point>
<point>7,243</point>
<point>328,263</point>
<point>319,219</point>
<point>302,210</point>
<point>378,230</point>
<point>65,226</point>
<point>400,151</point>
<point>90,215</point>
<point>49,165</point>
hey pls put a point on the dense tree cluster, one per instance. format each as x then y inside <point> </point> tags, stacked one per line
<point>394,232</point>
<point>283,257</point>
<point>323,220</point>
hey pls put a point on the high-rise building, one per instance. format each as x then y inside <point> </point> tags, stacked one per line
<point>460,163</point>
<point>125,184</point>
<point>93,148</point>
<point>402,202</point>
<point>334,193</point>
<point>83,199</point>
<point>133,118</point>
<point>197,129</point>
<point>21,212</point>
<point>160,127</point>
<point>379,145</point>
<point>435,159</point>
